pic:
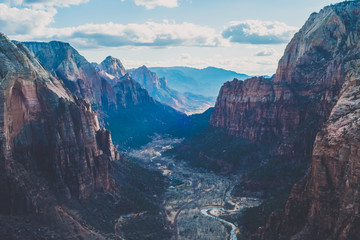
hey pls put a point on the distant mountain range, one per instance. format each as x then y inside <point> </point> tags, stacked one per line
<point>121,103</point>
<point>158,88</point>
<point>206,82</point>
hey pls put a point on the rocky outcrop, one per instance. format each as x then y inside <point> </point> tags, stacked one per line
<point>291,107</point>
<point>130,93</point>
<point>79,76</point>
<point>148,79</point>
<point>111,69</point>
<point>49,146</point>
<point>104,142</point>
<point>325,204</point>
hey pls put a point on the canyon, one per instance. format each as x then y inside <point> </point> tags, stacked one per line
<point>95,151</point>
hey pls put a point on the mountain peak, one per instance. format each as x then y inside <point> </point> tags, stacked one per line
<point>110,58</point>
<point>143,68</point>
<point>111,69</point>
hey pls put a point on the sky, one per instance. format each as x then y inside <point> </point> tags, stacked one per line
<point>246,36</point>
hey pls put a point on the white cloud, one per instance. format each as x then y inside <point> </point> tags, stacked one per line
<point>150,4</point>
<point>47,3</point>
<point>153,34</point>
<point>259,32</point>
<point>266,52</point>
<point>24,21</point>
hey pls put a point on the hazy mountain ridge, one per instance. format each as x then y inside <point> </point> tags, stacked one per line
<point>206,82</point>
<point>160,91</point>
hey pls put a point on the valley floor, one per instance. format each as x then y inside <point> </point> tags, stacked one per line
<point>197,202</point>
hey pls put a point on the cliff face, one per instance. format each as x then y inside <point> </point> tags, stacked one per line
<point>148,79</point>
<point>49,147</point>
<point>301,95</point>
<point>111,69</point>
<point>325,205</point>
<point>130,93</point>
<point>79,76</point>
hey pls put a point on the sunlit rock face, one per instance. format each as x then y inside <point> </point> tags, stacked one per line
<point>291,106</point>
<point>325,205</point>
<point>49,145</point>
<point>111,69</point>
<point>78,75</point>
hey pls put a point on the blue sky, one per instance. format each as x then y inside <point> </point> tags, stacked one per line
<point>241,35</point>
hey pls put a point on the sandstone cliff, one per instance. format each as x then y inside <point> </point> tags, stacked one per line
<point>49,146</point>
<point>79,76</point>
<point>325,205</point>
<point>111,69</point>
<point>290,107</point>
<point>130,93</point>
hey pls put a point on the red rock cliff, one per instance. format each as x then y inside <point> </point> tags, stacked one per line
<point>292,106</point>
<point>48,137</point>
<point>325,205</point>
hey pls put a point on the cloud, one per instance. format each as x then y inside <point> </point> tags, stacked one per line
<point>259,32</point>
<point>24,21</point>
<point>266,52</point>
<point>243,64</point>
<point>27,23</point>
<point>47,3</point>
<point>152,34</point>
<point>150,4</point>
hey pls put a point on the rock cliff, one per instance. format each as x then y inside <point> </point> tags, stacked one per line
<point>291,107</point>
<point>111,69</point>
<point>130,93</point>
<point>79,76</point>
<point>325,204</point>
<point>51,145</point>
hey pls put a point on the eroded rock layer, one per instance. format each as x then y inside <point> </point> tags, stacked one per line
<point>49,148</point>
<point>325,204</point>
<point>291,107</point>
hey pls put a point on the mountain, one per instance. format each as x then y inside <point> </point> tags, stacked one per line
<point>52,149</point>
<point>324,205</point>
<point>206,82</point>
<point>130,93</point>
<point>111,69</point>
<point>272,129</point>
<point>291,107</point>
<point>159,90</point>
<point>60,174</point>
<point>117,98</point>
<point>139,115</point>
<point>79,76</point>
